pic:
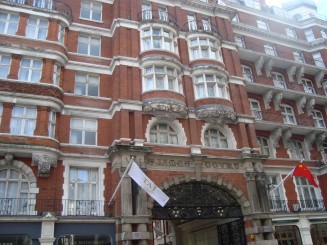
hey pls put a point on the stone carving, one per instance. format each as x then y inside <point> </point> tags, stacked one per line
<point>258,65</point>
<point>44,161</point>
<point>300,102</point>
<point>8,160</point>
<point>299,74</point>
<point>277,100</point>
<point>310,138</point>
<point>268,67</point>
<point>287,134</point>
<point>250,176</point>
<point>319,76</point>
<point>216,114</point>
<point>267,98</point>
<point>320,138</point>
<point>291,73</point>
<point>275,136</point>
<point>162,108</point>
<point>310,104</point>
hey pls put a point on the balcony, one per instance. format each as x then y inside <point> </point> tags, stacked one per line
<point>201,26</point>
<point>31,206</point>
<point>301,120</point>
<point>289,206</point>
<point>157,16</point>
<point>47,5</point>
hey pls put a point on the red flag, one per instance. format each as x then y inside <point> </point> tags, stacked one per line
<point>302,171</point>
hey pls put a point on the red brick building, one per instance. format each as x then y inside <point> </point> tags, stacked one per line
<point>216,101</point>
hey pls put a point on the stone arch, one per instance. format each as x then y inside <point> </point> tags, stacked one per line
<point>235,192</point>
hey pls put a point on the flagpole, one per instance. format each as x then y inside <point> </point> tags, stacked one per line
<point>121,180</point>
<point>286,177</point>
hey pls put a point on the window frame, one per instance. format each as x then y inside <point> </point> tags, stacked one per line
<point>307,194</point>
<point>204,47</point>
<point>309,35</point>
<point>24,119</point>
<point>297,149</point>
<point>172,135</point>
<point>52,124</point>
<point>83,130</point>
<point>88,45</point>
<point>30,70</point>
<point>308,86</point>
<point>263,24</point>
<point>239,40</point>
<point>256,111</point>
<point>290,32</point>
<point>318,119</point>
<point>264,145</point>
<point>1,111</point>
<point>215,141</point>
<point>34,31</point>
<point>61,33</point>
<point>247,75</point>
<point>318,60</point>
<point>288,114</point>
<point>299,57</point>
<point>91,10</point>
<point>270,49</point>
<point>8,22</point>
<point>87,84</point>
<point>219,86</point>
<point>4,67</point>
<point>277,197</point>
<point>279,80</point>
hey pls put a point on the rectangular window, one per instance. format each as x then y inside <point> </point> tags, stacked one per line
<point>83,191</point>
<point>296,149</point>
<point>52,124</point>
<point>61,34</point>
<point>323,33</point>
<point>191,22</point>
<point>307,195</point>
<point>299,57</point>
<point>270,50</point>
<point>23,120</point>
<point>240,41</point>
<point>56,74</point>
<point>309,35</point>
<point>91,10</point>
<point>4,66</point>
<point>252,4</point>
<point>37,28</point>
<point>83,131</point>
<point>163,13</point>
<point>146,11</point>
<point>8,23</point>
<point>290,32</point>
<point>206,24</point>
<point>88,45</point>
<point>318,59</point>
<point>236,18</point>
<point>262,24</point>
<point>45,4</point>
<point>30,70</point>
<point>276,201</point>
<point>308,86</point>
<point>247,73</point>
<point>86,84</point>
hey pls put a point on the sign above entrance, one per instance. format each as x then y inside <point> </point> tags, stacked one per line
<point>97,239</point>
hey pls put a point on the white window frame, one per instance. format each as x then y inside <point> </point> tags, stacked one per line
<point>290,32</point>
<point>216,87</point>
<point>61,34</point>
<point>89,43</point>
<point>307,195</point>
<point>158,37</point>
<point>1,111</point>
<point>162,77</point>
<point>324,85</point>
<point>323,33</point>
<point>91,10</point>
<point>297,149</point>
<point>240,41</point>
<point>318,119</point>
<point>157,132</point>
<point>277,197</point>
<point>288,114</point>
<point>146,11</point>
<point>263,24</point>
<point>25,123</point>
<point>33,70</point>
<point>236,18</point>
<point>191,20</point>
<point>270,49</point>
<point>203,47</point>
<point>163,13</point>
<point>38,30</point>
<point>215,138</point>
<point>299,57</point>
<point>10,23</point>
<point>247,73</point>
<point>256,109</point>
<point>255,4</point>
<point>318,59</point>
<point>83,130</point>
<point>264,145</point>
<point>56,74</point>
<point>206,23</point>
<point>87,82</point>
<point>279,80</point>
<point>5,63</point>
<point>52,124</point>
<point>309,35</point>
<point>44,4</point>
<point>308,86</point>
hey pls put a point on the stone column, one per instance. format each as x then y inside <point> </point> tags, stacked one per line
<point>304,226</point>
<point>252,190</point>
<point>126,206</point>
<point>262,191</point>
<point>47,230</point>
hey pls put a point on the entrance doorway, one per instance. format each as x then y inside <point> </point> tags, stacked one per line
<point>198,213</point>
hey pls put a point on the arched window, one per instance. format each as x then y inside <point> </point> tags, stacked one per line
<point>318,119</point>
<point>163,133</point>
<point>14,191</point>
<point>215,139</point>
<point>279,80</point>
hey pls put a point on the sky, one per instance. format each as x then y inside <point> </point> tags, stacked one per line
<point>321,5</point>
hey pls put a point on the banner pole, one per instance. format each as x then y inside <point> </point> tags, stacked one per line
<point>121,180</point>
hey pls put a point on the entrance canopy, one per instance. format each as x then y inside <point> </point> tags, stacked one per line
<point>197,200</point>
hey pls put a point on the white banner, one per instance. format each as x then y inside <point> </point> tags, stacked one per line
<point>147,185</point>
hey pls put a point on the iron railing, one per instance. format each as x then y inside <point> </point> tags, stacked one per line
<point>32,206</point>
<point>201,26</point>
<point>47,5</point>
<point>161,16</point>
<point>302,205</point>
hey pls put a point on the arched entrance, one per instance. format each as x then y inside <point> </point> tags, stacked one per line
<point>200,214</point>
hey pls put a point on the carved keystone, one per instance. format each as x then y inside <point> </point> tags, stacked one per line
<point>44,161</point>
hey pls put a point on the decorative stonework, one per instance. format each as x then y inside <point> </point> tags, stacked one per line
<point>300,102</point>
<point>299,73</point>
<point>162,108</point>
<point>216,114</point>
<point>44,161</point>
<point>268,67</point>
<point>310,104</point>
<point>287,134</point>
<point>267,98</point>
<point>277,100</point>
<point>319,76</point>
<point>291,73</point>
<point>320,138</point>
<point>259,65</point>
<point>310,138</point>
<point>275,136</point>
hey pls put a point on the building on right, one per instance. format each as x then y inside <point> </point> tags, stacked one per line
<point>283,57</point>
